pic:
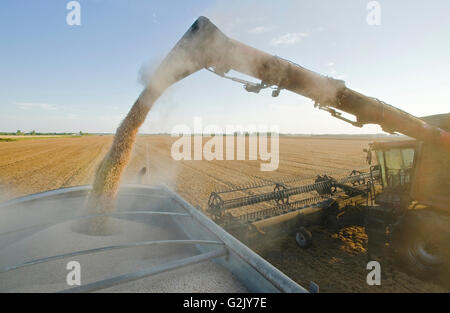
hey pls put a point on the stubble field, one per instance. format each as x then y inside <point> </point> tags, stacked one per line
<point>336,261</point>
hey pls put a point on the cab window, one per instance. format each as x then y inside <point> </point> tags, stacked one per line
<point>398,165</point>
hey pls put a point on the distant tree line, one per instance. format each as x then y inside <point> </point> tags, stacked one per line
<point>34,133</point>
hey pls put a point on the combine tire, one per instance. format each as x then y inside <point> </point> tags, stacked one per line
<point>421,261</point>
<point>414,250</point>
<point>303,238</point>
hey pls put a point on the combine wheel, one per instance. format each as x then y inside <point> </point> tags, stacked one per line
<point>303,238</point>
<point>415,247</point>
<point>422,259</point>
<point>426,253</point>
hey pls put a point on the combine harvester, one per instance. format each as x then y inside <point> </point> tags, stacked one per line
<point>403,201</point>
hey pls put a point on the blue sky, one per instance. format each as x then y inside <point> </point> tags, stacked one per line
<point>56,77</point>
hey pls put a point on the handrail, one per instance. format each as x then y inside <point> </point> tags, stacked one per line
<point>125,278</point>
<point>107,248</point>
<point>92,216</point>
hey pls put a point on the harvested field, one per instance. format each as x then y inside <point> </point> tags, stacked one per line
<point>29,166</point>
<point>337,262</point>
